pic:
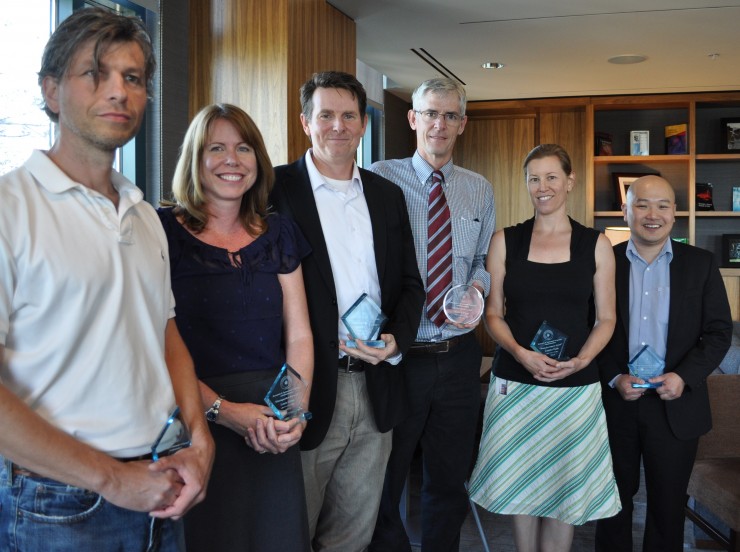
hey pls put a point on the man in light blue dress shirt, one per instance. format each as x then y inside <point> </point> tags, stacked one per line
<point>671,297</point>
<point>442,367</point>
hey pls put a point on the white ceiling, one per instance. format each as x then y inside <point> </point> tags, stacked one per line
<point>552,48</point>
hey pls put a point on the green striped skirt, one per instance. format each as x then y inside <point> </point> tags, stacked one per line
<point>545,452</point>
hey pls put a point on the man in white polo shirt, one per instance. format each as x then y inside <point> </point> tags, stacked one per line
<point>91,363</point>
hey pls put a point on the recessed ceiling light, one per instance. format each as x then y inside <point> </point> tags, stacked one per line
<point>627,59</point>
<point>492,65</point>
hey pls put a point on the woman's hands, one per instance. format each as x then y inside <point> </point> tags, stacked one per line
<point>547,369</point>
<point>261,430</point>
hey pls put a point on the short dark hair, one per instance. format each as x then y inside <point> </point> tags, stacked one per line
<point>550,150</point>
<point>102,27</point>
<point>332,79</point>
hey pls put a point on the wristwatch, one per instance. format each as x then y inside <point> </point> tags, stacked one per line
<point>212,413</point>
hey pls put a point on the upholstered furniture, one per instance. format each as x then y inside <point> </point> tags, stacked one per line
<point>731,363</point>
<point>715,481</point>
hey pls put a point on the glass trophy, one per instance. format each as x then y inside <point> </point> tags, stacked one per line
<point>646,364</point>
<point>286,393</point>
<point>550,341</point>
<point>173,437</point>
<point>463,304</point>
<point>363,321</point>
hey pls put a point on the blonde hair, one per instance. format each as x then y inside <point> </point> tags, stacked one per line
<point>550,150</point>
<point>187,188</point>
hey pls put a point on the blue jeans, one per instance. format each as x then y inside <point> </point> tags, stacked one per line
<point>39,515</point>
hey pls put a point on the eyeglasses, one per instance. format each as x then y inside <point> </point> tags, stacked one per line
<point>173,437</point>
<point>429,116</point>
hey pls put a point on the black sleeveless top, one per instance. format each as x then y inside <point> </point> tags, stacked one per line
<point>561,293</point>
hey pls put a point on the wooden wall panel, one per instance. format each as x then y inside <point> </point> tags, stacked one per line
<point>567,128</point>
<point>495,148</point>
<point>250,45</point>
<point>399,139</point>
<point>321,39</point>
<point>732,284</point>
<point>257,53</point>
<point>200,55</point>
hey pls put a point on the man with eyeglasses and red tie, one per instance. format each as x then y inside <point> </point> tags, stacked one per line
<point>451,210</point>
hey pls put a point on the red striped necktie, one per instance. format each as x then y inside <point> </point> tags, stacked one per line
<point>439,251</point>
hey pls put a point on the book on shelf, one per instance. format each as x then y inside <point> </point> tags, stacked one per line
<point>640,142</point>
<point>675,139</point>
<point>736,198</point>
<point>603,143</point>
<point>704,199</point>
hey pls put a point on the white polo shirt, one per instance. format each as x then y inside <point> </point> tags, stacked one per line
<point>84,299</point>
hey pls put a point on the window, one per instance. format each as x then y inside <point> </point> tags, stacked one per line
<point>24,30</point>
<point>371,143</point>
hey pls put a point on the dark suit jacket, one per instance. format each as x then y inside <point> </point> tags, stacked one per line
<point>699,334</point>
<point>401,289</point>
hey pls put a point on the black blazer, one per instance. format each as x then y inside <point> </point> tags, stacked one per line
<point>401,289</point>
<point>699,334</point>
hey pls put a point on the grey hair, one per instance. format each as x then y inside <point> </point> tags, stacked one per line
<point>442,86</point>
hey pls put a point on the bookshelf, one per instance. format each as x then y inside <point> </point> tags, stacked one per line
<point>705,161</point>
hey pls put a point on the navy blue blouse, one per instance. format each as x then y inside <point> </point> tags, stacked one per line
<point>231,317</point>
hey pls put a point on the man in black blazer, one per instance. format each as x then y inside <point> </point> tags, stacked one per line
<point>669,296</point>
<point>358,228</point>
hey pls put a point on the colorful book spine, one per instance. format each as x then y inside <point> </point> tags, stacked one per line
<point>675,139</point>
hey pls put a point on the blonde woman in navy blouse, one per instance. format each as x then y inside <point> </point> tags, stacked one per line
<point>241,309</point>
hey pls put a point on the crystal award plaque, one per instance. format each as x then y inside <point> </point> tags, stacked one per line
<point>463,304</point>
<point>173,437</point>
<point>363,321</point>
<point>286,393</point>
<point>646,364</point>
<point>550,341</point>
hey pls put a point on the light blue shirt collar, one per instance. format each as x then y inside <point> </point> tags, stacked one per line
<point>424,170</point>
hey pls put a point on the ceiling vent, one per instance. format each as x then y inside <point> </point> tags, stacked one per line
<point>438,66</point>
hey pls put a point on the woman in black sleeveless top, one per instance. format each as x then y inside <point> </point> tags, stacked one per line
<point>544,456</point>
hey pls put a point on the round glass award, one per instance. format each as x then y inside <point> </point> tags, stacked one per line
<point>463,304</point>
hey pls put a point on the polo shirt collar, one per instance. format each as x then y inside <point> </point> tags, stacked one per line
<point>56,181</point>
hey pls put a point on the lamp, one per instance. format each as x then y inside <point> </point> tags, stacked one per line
<point>617,234</point>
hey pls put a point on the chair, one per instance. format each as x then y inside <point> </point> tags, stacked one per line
<point>715,480</point>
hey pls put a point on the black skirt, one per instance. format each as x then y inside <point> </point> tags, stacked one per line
<point>255,502</point>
